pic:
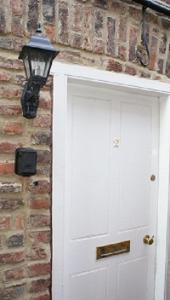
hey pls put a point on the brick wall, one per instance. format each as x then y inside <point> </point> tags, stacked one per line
<point>100,33</point>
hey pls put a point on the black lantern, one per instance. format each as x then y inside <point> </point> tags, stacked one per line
<point>37,57</point>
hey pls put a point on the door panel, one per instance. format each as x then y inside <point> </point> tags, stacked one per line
<point>135,165</point>
<point>109,196</point>
<point>90,167</point>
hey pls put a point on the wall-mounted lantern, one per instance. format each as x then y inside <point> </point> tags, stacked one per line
<point>37,57</point>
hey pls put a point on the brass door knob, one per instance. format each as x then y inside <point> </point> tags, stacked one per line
<point>148,240</point>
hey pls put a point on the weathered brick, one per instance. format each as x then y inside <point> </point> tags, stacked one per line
<point>112,65</point>
<point>9,63</point>
<point>41,186</point>
<point>5,223</point>
<point>37,253</point>
<point>123,29</point>
<point>10,204</point>
<point>98,25</point>
<point>77,17</point>
<point>39,285</point>
<point>17,26</point>
<point>44,156</point>
<point>88,16</point>
<point>41,138</point>
<point>13,292</point>
<point>10,110</point>
<point>160,66</point>
<point>9,187</point>
<point>6,147</point>
<point>15,274</point>
<point>48,10</point>
<point>13,128</point>
<point>133,43</point>
<point>63,22</point>
<point>41,297</point>
<point>4,76</point>
<point>163,43</point>
<point>12,258</point>
<point>36,270</point>
<point>40,221</point>
<point>111,27</point>
<point>32,15</point>
<point>101,3</point>
<point>153,53</point>
<point>20,222</point>
<point>50,31</point>
<point>130,70</point>
<point>15,240</point>
<point>40,203</point>
<point>12,93</point>
<point>167,72</point>
<point>38,237</point>
<point>43,121</point>
<point>76,40</point>
<point>6,168</point>
<point>17,7</point>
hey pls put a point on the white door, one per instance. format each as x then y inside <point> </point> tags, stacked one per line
<point>112,152</point>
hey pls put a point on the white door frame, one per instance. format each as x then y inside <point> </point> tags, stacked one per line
<point>62,75</point>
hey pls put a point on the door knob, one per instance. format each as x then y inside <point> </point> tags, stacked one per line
<point>148,240</point>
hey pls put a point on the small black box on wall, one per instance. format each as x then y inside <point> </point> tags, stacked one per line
<point>25,161</point>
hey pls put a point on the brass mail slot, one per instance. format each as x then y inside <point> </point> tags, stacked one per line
<point>112,249</point>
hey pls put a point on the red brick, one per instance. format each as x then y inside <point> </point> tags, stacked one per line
<point>40,186</point>
<point>6,168</point>
<point>13,128</point>
<point>39,220</point>
<point>4,76</point>
<point>12,93</point>
<point>39,285</point>
<point>9,63</point>
<point>50,31</point>
<point>5,223</point>
<point>10,204</point>
<point>39,269</point>
<point>10,110</point>
<point>130,70</point>
<point>112,65</point>
<point>39,237</point>
<point>44,156</point>
<point>133,43</point>
<point>12,292</point>
<point>63,22</point>
<point>39,203</point>
<point>41,297</point>
<point>43,121</point>
<point>20,222</point>
<point>10,187</point>
<point>37,253</point>
<point>15,274</point>
<point>6,147</point>
<point>12,258</point>
<point>17,7</point>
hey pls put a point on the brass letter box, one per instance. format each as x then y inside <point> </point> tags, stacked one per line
<point>112,249</point>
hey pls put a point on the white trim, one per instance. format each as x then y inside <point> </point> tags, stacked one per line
<point>62,73</point>
<point>117,79</point>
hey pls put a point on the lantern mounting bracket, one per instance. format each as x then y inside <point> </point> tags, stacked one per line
<point>30,97</point>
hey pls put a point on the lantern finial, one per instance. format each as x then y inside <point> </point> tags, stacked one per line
<point>39,28</point>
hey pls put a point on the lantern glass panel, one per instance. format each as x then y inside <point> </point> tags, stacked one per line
<point>40,62</point>
<point>27,66</point>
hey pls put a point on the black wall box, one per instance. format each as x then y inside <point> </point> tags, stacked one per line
<point>25,161</point>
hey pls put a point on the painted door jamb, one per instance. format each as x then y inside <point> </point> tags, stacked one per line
<point>62,73</point>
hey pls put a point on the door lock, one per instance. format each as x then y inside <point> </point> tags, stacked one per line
<point>148,240</point>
